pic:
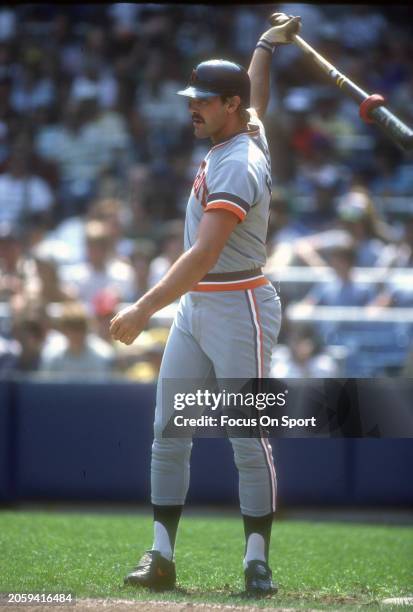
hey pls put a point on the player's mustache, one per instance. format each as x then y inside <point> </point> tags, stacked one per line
<point>197,117</point>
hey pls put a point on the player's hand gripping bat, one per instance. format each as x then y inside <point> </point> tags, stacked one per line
<point>372,109</point>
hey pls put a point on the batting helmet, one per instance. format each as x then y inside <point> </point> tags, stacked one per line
<point>219,78</point>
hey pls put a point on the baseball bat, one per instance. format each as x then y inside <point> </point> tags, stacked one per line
<point>372,109</point>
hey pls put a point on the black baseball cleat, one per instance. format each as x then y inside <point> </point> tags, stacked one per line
<point>258,579</point>
<point>153,571</point>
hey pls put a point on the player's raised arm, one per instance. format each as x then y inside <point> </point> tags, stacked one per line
<point>260,67</point>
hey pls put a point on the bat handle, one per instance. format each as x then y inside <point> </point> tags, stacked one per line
<point>300,42</point>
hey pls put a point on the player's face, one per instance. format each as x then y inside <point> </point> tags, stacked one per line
<point>209,117</point>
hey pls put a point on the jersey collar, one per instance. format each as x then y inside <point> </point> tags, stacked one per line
<point>249,132</point>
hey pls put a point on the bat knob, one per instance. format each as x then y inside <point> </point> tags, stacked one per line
<point>277,19</point>
<point>368,104</point>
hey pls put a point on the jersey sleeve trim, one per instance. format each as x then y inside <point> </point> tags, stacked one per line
<point>224,196</point>
<point>230,206</point>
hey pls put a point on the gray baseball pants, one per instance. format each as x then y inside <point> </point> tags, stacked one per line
<point>222,334</point>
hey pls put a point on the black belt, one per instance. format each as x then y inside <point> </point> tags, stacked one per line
<point>231,276</point>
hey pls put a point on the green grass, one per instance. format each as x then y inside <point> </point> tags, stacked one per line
<point>327,565</point>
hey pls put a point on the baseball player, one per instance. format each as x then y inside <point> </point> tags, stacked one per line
<point>229,314</point>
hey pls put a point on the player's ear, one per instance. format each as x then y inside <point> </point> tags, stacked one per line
<point>233,104</point>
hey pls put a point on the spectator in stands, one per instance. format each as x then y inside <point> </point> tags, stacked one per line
<point>405,255</point>
<point>284,229</point>
<point>142,256</point>
<point>8,24</point>
<point>357,218</point>
<point>329,121</point>
<point>304,356</point>
<point>148,351</point>
<point>105,305</point>
<point>9,119</point>
<point>50,287</point>
<point>32,88</point>
<point>63,41</point>
<point>112,211</point>
<point>302,135</point>
<point>158,104</point>
<point>97,68</point>
<point>398,291</point>
<point>172,245</point>
<point>105,122</point>
<point>101,270</point>
<point>283,226</point>
<point>83,353</point>
<point>9,352</point>
<point>75,154</point>
<point>247,28</point>
<point>36,229</point>
<point>124,15</point>
<point>386,180</point>
<point>403,96</point>
<point>22,192</point>
<point>401,255</point>
<point>343,290</point>
<point>317,174</point>
<point>86,144</point>
<point>141,222</point>
<point>30,331</point>
<point>319,179</point>
<point>362,28</point>
<point>17,271</point>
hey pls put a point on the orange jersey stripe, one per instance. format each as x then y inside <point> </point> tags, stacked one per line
<point>237,210</point>
<point>234,286</point>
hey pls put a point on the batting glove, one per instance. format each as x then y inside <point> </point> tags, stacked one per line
<point>282,33</point>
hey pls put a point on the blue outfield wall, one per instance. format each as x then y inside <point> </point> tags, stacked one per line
<point>383,471</point>
<point>6,441</point>
<point>83,441</point>
<point>314,472</point>
<point>92,441</point>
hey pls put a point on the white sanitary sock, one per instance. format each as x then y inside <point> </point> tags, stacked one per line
<point>161,541</point>
<point>255,549</point>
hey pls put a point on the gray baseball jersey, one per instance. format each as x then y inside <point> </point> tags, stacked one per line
<point>236,176</point>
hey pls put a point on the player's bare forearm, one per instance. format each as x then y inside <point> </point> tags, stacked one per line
<point>187,271</point>
<point>180,278</point>
<point>259,72</point>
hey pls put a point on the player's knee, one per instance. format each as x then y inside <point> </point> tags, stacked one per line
<point>171,449</point>
<point>250,455</point>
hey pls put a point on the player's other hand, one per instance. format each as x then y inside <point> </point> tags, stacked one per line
<point>129,323</point>
<point>283,30</point>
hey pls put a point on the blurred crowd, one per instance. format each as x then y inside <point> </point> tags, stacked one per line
<point>97,159</point>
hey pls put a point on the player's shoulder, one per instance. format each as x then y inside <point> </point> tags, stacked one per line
<point>243,151</point>
<point>243,146</point>
<point>255,122</point>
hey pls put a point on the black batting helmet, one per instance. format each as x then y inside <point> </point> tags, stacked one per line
<point>219,78</point>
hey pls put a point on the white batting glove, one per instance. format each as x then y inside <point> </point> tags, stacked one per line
<point>282,33</point>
